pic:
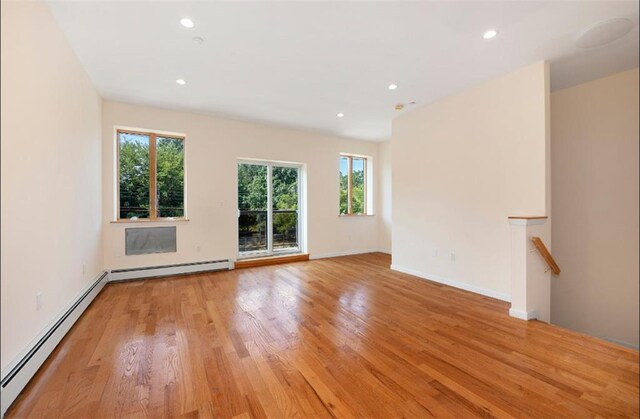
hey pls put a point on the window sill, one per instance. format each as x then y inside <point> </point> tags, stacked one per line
<point>146,221</point>
<point>355,215</point>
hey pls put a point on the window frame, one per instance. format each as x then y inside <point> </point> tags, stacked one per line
<point>365,206</point>
<point>153,174</point>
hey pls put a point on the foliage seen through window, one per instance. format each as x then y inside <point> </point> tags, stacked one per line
<point>137,173</point>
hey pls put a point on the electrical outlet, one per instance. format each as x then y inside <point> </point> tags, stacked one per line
<point>116,254</point>
<point>39,301</point>
<point>197,248</point>
<point>453,256</point>
<point>435,253</point>
<point>84,269</point>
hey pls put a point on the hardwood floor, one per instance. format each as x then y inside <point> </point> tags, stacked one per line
<point>338,337</point>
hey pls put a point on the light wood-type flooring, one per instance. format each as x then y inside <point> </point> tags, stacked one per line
<point>340,337</point>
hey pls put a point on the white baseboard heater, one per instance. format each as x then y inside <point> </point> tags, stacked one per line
<point>167,270</point>
<point>19,372</point>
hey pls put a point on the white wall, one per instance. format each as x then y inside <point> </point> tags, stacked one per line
<point>51,175</point>
<point>461,166</point>
<point>384,196</point>
<point>595,207</point>
<point>212,147</point>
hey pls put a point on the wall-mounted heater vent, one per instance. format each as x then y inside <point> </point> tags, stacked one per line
<point>167,270</point>
<point>141,241</point>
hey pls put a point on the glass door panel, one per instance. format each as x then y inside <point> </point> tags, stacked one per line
<point>284,183</point>
<point>252,208</point>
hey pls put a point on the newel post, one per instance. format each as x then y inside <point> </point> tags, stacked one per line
<point>530,275</point>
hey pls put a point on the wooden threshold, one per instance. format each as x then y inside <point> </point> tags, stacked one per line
<point>271,260</point>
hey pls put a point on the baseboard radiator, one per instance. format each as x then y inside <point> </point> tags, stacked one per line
<point>18,373</point>
<point>167,270</point>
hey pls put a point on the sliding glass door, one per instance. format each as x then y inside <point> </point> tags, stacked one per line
<point>268,208</point>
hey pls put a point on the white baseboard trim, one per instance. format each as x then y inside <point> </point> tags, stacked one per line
<point>168,270</point>
<point>523,315</point>
<point>621,343</point>
<point>347,253</point>
<point>17,374</point>
<point>456,284</point>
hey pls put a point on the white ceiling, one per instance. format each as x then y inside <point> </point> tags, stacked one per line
<point>300,63</point>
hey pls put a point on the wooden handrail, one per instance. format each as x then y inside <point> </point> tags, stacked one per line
<point>546,255</point>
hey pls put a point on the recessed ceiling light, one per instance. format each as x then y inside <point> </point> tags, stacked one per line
<point>198,40</point>
<point>490,34</point>
<point>181,82</point>
<point>187,23</point>
<point>393,86</point>
<point>340,115</point>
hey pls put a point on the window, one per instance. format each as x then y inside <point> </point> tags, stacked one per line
<point>150,176</point>
<point>353,185</point>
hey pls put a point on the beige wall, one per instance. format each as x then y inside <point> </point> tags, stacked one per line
<point>384,196</point>
<point>595,207</point>
<point>51,175</point>
<point>212,147</point>
<point>461,166</point>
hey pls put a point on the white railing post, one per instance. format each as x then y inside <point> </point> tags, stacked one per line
<point>530,275</point>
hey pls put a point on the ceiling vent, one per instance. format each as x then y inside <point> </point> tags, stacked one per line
<point>603,32</point>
